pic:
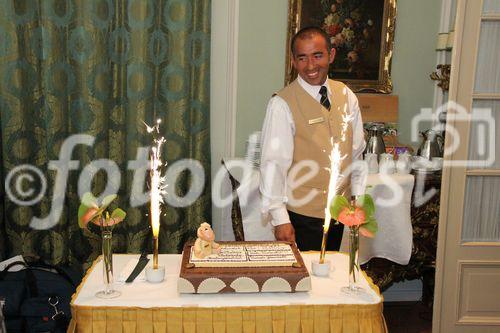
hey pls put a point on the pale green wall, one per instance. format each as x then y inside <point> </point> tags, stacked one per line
<point>417,26</point>
<point>261,60</point>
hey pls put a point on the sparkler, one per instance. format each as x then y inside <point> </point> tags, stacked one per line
<point>333,186</point>
<point>158,186</point>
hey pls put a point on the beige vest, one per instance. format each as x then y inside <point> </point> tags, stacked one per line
<point>314,128</point>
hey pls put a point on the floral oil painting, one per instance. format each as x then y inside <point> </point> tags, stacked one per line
<point>362,33</point>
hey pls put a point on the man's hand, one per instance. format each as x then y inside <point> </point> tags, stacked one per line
<point>285,232</point>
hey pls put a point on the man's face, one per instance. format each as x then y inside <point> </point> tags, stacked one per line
<point>312,59</point>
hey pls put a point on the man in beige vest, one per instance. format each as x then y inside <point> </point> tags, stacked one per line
<point>302,121</point>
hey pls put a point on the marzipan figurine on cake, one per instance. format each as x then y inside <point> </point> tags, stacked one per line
<point>205,244</point>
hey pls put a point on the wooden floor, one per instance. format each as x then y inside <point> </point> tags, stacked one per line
<point>408,317</point>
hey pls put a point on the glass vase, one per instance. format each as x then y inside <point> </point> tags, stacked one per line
<point>354,268</point>
<point>107,266</point>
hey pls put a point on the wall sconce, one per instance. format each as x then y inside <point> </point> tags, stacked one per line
<point>442,75</point>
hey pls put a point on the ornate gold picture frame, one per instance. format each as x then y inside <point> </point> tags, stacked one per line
<point>361,31</point>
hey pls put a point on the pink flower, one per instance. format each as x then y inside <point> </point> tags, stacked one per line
<point>107,222</point>
<point>89,211</point>
<point>351,218</point>
<point>89,215</point>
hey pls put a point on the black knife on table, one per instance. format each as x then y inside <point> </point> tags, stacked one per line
<point>143,261</point>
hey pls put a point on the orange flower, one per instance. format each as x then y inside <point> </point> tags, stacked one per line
<point>351,218</point>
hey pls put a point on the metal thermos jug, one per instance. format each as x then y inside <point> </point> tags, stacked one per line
<point>432,145</point>
<point>375,142</point>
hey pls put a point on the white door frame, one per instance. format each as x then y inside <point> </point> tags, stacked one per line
<point>223,88</point>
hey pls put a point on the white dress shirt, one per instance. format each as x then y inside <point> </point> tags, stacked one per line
<point>277,141</point>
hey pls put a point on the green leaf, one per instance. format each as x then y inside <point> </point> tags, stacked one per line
<point>89,200</point>
<point>86,214</point>
<point>107,200</point>
<point>371,225</point>
<point>365,201</point>
<point>81,211</point>
<point>339,202</point>
<point>118,215</point>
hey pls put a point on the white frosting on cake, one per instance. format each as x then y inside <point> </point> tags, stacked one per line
<point>276,284</point>
<point>211,286</point>
<point>304,284</point>
<point>184,286</point>
<point>245,285</point>
<point>267,254</point>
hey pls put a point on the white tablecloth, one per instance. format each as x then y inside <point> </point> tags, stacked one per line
<point>393,240</point>
<point>149,295</point>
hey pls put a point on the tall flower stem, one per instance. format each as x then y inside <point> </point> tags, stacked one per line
<point>107,266</point>
<point>354,269</point>
<point>107,257</point>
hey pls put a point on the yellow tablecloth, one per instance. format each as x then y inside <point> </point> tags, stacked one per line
<point>139,310</point>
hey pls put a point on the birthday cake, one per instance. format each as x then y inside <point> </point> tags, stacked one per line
<point>244,267</point>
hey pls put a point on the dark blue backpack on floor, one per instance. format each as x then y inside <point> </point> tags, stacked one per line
<point>37,298</point>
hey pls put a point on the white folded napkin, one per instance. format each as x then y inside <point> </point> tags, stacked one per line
<point>129,267</point>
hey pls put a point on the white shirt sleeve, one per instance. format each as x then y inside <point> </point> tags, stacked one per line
<point>278,131</point>
<point>358,176</point>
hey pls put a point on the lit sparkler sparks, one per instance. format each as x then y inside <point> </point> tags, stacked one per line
<point>335,160</point>
<point>333,184</point>
<point>158,185</point>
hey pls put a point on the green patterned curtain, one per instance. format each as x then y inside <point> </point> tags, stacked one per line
<point>99,67</point>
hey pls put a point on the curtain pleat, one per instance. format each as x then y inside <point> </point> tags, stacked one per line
<point>101,67</point>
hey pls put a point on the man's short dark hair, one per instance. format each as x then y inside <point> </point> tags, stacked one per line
<point>308,32</point>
